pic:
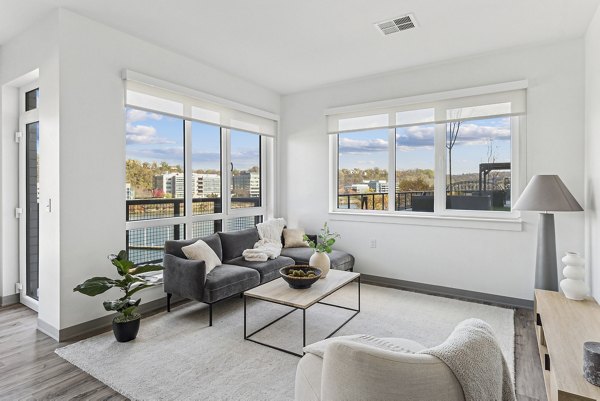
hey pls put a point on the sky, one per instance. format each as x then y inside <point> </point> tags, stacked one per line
<point>155,137</point>
<point>415,147</point>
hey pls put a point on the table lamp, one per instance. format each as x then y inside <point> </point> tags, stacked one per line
<point>545,194</point>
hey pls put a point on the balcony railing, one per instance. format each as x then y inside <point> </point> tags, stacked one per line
<point>422,201</point>
<point>379,200</point>
<point>145,245</point>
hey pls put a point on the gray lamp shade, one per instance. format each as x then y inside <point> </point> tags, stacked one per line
<point>547,193</point>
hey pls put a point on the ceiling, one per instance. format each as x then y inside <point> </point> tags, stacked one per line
<point>290,46</point>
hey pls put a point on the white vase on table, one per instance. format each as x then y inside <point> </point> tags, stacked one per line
<point>573,286</point>
<point>321,261</point>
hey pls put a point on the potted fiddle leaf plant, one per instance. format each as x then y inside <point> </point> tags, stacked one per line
<point>127,323</point>
<point>320,258</point>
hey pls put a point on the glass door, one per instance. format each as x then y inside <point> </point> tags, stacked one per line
<point>29,211</point>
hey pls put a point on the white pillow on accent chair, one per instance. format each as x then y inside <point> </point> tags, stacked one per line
<point>200,250</point>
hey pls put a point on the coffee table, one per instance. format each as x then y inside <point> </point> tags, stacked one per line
<point>279,292</point>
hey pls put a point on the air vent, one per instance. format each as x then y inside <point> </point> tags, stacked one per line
<point>396,25</point>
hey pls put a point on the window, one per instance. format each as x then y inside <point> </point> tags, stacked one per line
<point>451,155</point>
<point>192,169</point>
<point>362,174</point>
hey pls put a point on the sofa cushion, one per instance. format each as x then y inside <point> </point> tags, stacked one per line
<point>173,247</point>
<point>339,260</point>
<point>227,280</point>
<point>200,250</point>
<point>236,242</point>
<point>294,238</point>
<point>268,270</point>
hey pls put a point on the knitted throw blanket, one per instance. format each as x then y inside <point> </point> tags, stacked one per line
<point>474,356</point>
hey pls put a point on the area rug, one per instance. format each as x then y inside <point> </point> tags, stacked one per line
<point>176,356</point>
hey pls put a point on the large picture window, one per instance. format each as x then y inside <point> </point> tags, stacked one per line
<point>449,156</point>
<point>191,169</point>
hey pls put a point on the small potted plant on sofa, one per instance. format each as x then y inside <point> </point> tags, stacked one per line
<point>127,323</point>
<point>322,247</point>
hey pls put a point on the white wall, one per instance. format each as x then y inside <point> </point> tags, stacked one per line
<point>496,262</point>
<point>592,148</point>
<point>35,48</point>
<point>92,143</point>
<point>90,200</point>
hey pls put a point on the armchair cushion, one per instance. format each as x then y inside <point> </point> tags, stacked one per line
<point>354,371</point>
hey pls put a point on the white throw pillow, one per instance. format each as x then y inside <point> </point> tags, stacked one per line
<point>294,238</point>
<point>200,250</point>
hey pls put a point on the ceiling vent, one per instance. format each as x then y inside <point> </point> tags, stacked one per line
<point>398,24</point>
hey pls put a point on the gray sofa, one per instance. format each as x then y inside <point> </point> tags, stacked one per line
<point>188,279</point>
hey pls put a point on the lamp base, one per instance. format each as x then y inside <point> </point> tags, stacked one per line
<point>546,275</point>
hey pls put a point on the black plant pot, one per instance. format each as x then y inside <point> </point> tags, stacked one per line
<point>126,331</point>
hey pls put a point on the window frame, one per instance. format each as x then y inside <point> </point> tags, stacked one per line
<point>227,213</point>
<point>441,215</point>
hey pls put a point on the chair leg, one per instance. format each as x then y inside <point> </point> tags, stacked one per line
<point>210,315</point>
<point>169,302</point>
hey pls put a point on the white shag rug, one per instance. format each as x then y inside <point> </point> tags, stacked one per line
<point>177,356</point>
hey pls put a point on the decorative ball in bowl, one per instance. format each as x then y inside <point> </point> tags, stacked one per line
<point>300,277</point>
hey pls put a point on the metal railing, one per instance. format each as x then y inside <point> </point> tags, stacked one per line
<point>379,200</point>
<point>146,245</point>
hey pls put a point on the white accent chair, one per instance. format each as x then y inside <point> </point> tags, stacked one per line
<point>352,371</point>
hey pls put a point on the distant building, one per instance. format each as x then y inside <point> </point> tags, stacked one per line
<point>247,184</point>
<point>206,185</point>
<point>358,188</point>
<point>171,183</point>
<point>378,186</point>
<point>129,192</point>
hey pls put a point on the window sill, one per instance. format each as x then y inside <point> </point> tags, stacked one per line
<point>424,219</point>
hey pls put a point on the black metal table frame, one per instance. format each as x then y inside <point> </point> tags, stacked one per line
<point>247,336</point>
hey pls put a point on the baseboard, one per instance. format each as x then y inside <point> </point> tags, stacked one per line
<point>491,299</point>
<point>104,323</point>
<point>9,300</point>
<point>47,329</point>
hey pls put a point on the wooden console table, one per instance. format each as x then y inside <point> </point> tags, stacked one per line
<point>562,326</point>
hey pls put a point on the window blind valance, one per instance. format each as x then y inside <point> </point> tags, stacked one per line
<point>151,94</point>
<point>402,113</point>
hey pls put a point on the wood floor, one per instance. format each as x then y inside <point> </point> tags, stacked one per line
<point>30,370</point>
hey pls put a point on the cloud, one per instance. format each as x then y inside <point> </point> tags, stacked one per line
<point>203,157</point>
<point>143,135</point>
<point>357,146</point>
<point>134,115</point>
<point>163,154</point>
<point>474,134</point>
<point>411,138</point>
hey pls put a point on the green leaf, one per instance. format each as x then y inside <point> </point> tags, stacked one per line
<point>118,305</point>
<point>95,286</point>
<point>145,269</point>
<point>330,241</point>
<point>141,287</point>
<point>121,262</point>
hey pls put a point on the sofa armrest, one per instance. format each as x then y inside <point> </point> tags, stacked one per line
<point>184,277</point>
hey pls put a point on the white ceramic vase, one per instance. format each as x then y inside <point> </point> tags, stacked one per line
<point>573,286</point>
<point>321,261</point>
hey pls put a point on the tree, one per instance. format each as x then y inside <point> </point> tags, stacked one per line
<point>452,130</point>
